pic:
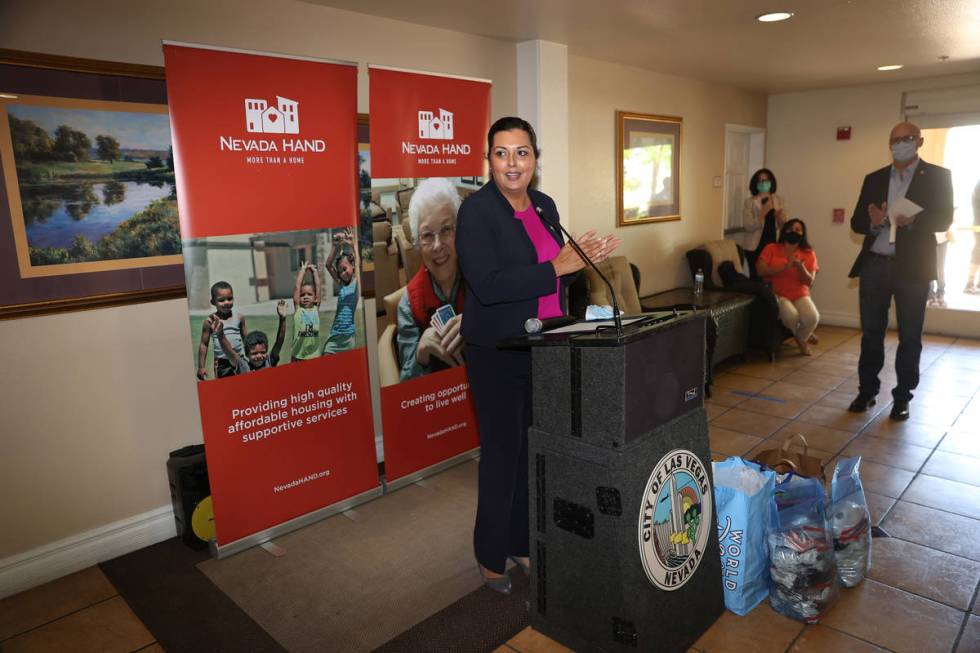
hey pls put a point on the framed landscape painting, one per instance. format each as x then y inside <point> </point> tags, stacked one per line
<point>88,210</point>
<point>648,168</point>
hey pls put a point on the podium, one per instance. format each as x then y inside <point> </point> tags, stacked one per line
<point>624,545</point>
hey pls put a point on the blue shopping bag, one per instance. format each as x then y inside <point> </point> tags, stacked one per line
<point>743,495</point>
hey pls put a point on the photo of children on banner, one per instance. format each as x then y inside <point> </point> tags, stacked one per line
<point>271,268</point>
<point>232,327</point>
<point>342,266</point>
<point>256,344</point>
<point>306,315</point>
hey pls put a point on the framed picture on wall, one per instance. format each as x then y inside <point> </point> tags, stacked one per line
<point>648,168</point>
<point>88,209</point>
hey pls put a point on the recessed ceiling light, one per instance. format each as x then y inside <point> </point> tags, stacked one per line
<point>891,67</point>
<point>774,17</point>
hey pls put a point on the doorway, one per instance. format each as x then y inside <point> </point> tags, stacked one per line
<point>958,250</point>
<point>745,150</point>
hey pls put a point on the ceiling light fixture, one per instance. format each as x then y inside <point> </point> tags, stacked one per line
<point>891,67</point>
<point>774,17</point>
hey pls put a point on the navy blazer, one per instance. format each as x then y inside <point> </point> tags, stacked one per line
<point>915,245</point>
<point>500,265</point>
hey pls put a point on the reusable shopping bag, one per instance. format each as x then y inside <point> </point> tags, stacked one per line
<point>743,494</point>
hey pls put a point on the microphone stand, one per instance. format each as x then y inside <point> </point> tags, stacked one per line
<point>615,305</point>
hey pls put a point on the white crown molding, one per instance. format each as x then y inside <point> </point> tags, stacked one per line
<point>51,561</point>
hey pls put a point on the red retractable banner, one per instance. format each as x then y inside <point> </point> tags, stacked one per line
<point>265,151</point>
<point>427,154</point>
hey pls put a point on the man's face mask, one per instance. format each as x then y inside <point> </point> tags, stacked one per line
<point>903,151</point>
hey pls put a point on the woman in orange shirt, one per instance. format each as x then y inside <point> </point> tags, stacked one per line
<point>790,265</point>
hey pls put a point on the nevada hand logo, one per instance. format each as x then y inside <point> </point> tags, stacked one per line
<point>432,127</point>
<point>260,118</point>
<point>263,119</point>
<point>435,128</point>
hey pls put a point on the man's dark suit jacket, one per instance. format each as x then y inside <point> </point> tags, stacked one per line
<point>500,265</point>
<point>915,245</point>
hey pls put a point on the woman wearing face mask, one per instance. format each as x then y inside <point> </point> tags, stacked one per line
<point>516,264</point>
<point>764,214</point>
<point>791,266</point>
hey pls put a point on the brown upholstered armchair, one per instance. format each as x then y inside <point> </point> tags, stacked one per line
<point>389,369</point>
<point>386,259</point>
<point>589,288</point>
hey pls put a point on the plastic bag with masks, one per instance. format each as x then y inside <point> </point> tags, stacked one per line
<point>851,523</point>
<point>801,550</point>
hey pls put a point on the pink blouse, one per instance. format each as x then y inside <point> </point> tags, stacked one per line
<point>547,249</point>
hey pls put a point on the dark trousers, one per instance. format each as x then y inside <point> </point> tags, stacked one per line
<point>501,385</point>
<point>879,283</point>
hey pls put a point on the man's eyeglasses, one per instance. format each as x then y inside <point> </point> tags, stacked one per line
<point>911,138</point>
<point>428,238</point>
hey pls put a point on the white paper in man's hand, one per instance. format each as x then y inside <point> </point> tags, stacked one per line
<point>903,206</point>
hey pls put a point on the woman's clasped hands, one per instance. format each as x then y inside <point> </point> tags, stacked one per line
<point>597,248</point>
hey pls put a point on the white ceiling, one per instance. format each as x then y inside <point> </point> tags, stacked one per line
<point>826,43</point>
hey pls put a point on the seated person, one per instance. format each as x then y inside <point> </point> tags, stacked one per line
<point>790,265</point>
<point>423,347</point>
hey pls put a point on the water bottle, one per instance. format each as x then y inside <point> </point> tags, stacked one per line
<point>699,283</point>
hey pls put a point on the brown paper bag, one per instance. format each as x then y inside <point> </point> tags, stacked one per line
<point>782,460</point>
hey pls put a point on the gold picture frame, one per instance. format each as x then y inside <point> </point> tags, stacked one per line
<point>53,81</point>
<point>648,168</point>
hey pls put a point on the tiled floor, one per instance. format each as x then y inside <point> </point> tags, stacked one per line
<point>922,479</point>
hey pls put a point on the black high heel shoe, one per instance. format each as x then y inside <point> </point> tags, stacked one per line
<point>526,568</point>
<point>501,584</point>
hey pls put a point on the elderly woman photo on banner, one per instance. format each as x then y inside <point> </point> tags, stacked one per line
<point>417,276</point>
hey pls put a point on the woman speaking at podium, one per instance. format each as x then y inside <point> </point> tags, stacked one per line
<point>515,263</point>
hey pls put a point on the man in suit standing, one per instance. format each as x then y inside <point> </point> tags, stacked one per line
<point>901,269</point>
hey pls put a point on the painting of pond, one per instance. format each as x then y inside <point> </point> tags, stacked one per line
<point>93,185</point>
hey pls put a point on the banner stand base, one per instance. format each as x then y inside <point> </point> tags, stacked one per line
<point>223,551</point>
<point>431,469</point>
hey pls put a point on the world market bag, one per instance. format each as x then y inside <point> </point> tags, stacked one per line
<point>743,494</point>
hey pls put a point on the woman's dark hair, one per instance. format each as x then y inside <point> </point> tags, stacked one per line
<point>804,244</point>
<point>513,122</point>
<point>754,182</point>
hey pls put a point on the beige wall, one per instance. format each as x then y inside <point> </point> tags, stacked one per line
<point>93,401</point>
<point>818,173</point>
<point>596,91</point>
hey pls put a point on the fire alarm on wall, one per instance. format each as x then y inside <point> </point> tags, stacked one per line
<point>844,133</point>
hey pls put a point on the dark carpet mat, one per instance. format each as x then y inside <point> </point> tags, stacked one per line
<point>480,621</point>
<point>180,606</point>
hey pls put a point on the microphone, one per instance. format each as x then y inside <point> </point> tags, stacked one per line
<point>615,305</point>
<point>533,325</point>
